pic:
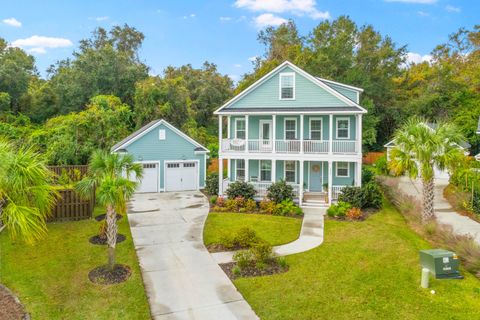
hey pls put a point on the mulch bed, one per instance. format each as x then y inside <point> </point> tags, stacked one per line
<point>102,275</point>
<point>218,247</point>
<point>101,217</point>
<point>10,306</point>
<point>102,241</point>
<point>251,271</point>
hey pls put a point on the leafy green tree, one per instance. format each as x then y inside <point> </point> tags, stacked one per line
<point>109,176</point>
<point>419,148</point>
<point>43,101</point>
<point>4,101</point>
<point>16,69</point>
<point>25,191</point>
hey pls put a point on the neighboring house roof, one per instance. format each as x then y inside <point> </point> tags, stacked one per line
<point>149,127</point>
<point>354,107</point>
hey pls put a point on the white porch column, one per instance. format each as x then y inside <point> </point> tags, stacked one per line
<point>301,183</point>
<point>274,132</point>
<point>359,133</point>
<point>247,175</point>
<point>330,180</point>
<point>220,176</point>
<point>229,126</point>
<point>220,133</point>
<point>246,133</point>
<point>330,134</point>
<point>301,133</point>
<point>229,169</point>
<point>358,173</point>
<point>274,170</point>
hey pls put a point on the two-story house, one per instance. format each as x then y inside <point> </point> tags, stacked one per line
<point>294,126</point>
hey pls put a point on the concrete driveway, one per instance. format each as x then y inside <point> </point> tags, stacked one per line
<point>181,279</point>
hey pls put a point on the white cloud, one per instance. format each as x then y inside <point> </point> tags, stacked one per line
<point>297,7</point>
<point>38,44</point>
<point>234,77</point>
<point>191,15</point>
<point>102,18</point>
<point>453,9</point>
<point>423,13</point>
<point>253,59</point>
<point>414,1</point>
<point>224,19</point>
<point>268,19</point>
<point>37,50</point>
<point>413,57</point>
<point>12,22</point>
<point>237,65</point>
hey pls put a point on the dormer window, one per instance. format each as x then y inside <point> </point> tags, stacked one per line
<point>287,86</point>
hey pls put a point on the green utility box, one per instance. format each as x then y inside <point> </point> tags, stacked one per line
<point>443,264</point>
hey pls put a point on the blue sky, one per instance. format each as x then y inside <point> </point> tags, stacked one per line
<point>222,31</point>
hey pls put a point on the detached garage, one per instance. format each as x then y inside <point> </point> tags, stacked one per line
<point>172,161</point>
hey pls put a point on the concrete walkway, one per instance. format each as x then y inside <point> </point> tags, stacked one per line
<point>181,279</point>
<point>311,236</point>
<point>444,212</point>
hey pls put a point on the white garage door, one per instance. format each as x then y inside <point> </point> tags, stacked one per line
<point>149,181</point>
<point>180,176</point>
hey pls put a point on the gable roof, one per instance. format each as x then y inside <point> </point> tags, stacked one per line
<point>340,84</point>
<point>149,127</point>
<point>349,103</point>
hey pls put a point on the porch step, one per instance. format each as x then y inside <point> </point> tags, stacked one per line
<point>315,204</point>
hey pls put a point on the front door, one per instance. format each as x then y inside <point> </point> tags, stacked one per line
<point>316,176</point>
<point>265,134</point>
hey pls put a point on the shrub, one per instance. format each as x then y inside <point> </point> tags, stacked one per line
<point>282,262</point>
<point>240,189</point>
<point>367,174</point>
<point>279,191</point>
<point>381,166</point>
<point>220,202</point>
<point>267,206</point>
<point>354,214</point>
<point>211,183</point>
<point>352,195</point>
<point>231,205</point>
<point>244,258</point>
<point>367,196</point>
<point>287,207</point>
<point>213,200</point>
<point>227,241</point>
<point>245,237</point>
<point>262,252</point>
<point>338,210</point>
<point>250,205</point>
<point>236,271</point>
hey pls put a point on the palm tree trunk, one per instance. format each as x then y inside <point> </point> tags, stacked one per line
<point>428,196</point>
<point>112,230</point>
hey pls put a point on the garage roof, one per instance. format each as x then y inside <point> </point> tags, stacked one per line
<point>149,127</point>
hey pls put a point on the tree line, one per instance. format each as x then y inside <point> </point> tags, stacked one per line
<point>105,91</point>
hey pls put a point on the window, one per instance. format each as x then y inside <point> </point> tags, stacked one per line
<point>287,86</point>
<point>149,165</point>
<point>290,129</point>
<point>265,170</point>
<point>173,165</point>
<point>343,169</point>
<point>240,169</point>
<point>316,129</point>
<point>240,129</point>
<point>290,171</point>
<point>189,165</point>
<point>161,134</point>
<point>343,128</point>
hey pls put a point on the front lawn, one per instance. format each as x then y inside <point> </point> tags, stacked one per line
<point>274,229</point>
<point>51,277</point>
<point>363,270</point>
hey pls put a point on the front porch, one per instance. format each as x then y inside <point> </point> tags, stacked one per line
<point>313,182</point>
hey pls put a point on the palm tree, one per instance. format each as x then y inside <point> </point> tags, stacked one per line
<point>25,191</point>
<point>419,147</point>
<point>109,175</point>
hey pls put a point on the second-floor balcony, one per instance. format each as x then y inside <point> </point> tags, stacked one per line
<point>290,146</point>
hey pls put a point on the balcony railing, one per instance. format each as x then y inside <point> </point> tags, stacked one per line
<point>289,146</point>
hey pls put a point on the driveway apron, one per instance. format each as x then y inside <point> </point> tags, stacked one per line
<point>181,279</point>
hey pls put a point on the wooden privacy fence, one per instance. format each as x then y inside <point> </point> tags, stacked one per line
<point>371,157</point>
<point>70,206</point>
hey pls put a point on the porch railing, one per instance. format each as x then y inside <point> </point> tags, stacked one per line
<point>336,190</point>
<point>261,187</point>
<point>288,146</point>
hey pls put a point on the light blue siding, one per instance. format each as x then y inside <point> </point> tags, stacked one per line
<point>349,93</point>
<point>344,181</point>
<point>307,94</point>
<point>174,147</point>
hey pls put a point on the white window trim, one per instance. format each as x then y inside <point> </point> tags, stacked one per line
<point>260,171</point>
<point>310,127</point>
<point>162,134</point>
<point>260,130</point>
<point>285,127</point>
<point>336,128</point>
<point>282,74</point>
<point>244,169</point>
<point>285,170</point>
<point>236,127</point>
<point>348,170</point>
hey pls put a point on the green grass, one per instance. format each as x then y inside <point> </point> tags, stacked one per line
<point>274,229</point>
<point>364,270</point>
<point>51,277</point>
